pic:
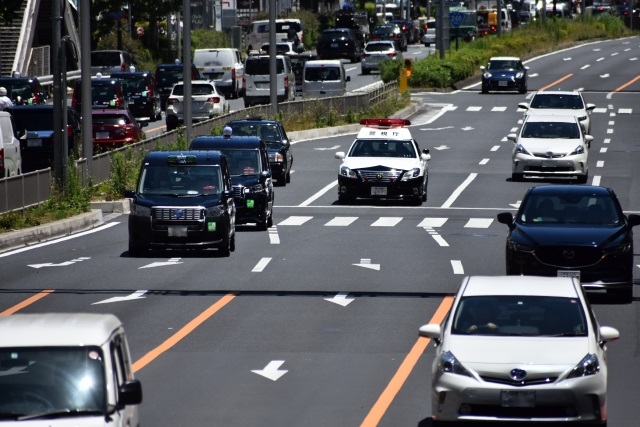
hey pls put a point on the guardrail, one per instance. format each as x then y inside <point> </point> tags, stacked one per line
<point>22,191</point>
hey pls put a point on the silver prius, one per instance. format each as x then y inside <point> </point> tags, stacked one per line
<point>550,146</point>
<point>519,348</point>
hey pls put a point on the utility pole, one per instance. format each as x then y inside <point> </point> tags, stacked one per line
<point>85,83</point>
<point>59,98</point>
<point>273,73</point>
<point>186,69</point>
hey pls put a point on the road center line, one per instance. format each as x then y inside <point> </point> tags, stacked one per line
<point>459,190</point>
<point>556,82</point>
<point>318,194</point>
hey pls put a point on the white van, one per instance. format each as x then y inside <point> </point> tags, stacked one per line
<point>258,32</point>
<point>222,66</point>
<point>257,81</point>
<point>324,78</point>
<point>67,369</point>
<point>10,154</point>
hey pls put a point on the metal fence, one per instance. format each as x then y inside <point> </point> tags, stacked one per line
<point>32,188</point>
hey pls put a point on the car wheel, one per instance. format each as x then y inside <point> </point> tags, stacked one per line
<point>582,179</point>
<point>263,223</point>
<point>424,196</point>
<point>281,181</point>
<point>485,90</point>
<point>136,250</point>
<point>517,177</point>
<point>225,249</point>
<point>523,89</point>
<point>232,244</point>
<point>343,199</point>
<point>366,71</point>
<point>288,178</point>
<point>427,44</point>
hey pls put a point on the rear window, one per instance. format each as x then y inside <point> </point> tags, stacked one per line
<point>105,59</point>
<point>282,27</point>
<point>316,74</point>
<point>378,47</point>
<point>134,85</point>
<point>334,34</point>
<point>213,58</point>
<point>260,66</point>
<point>110,119</point>
<point>169,76</point>
<point>196,89</point>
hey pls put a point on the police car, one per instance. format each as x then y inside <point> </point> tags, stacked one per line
<point>384,162</point>
<point>183,200</point>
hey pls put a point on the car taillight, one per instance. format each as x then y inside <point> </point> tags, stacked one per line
<point>233,76</point>
<point>365,55</point>
<point>213,99</point>
<point>171,101</point>
<point>69,131</point>
<point>2,161</point>
<point>286,82</point>
<point>391,54</point>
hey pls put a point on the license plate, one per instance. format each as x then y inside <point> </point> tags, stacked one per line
<point>518,399</point>
<point>569,273</point>
<point>378,191</point>
<point>502,83</point>
<point>34,142</point>
<point>177,231</point>
<point>334,44</point>
<point>102,135</point>
<point>549,164</point>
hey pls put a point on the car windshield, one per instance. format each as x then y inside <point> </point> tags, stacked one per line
<point>504,65</point>
<point>260,66</point>
<point>382,148</point>
<point>180,180</point>
<point>243,162</point>
<point>318,74</point>
<point>66,381</point>
<point>519,315</point>
<point>580,209</point>
<point>556,130</point>
<point>556,101</point>
<point>134,85</point>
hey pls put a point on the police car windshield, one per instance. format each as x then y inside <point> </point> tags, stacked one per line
<point>181,180</point>
<point>243,162</point>
<point>382,148</point>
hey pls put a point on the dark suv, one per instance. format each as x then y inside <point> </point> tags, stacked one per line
<point>24,90</point>
<point>168,75</point>
<point>34,125</point>
<point>142,92</point>
<point>274,136</point>
<point>250,176</point>
<point>339,43</point>
<point>183,200</point>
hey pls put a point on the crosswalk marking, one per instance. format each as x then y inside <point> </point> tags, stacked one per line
<point>432,222</point>
<point>478,223</point>
<point>341,221</point>
<point>296,220</point>
<point>390,221</point>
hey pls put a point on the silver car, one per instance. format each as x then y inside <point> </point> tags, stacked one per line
<point>377,51</point>
<point>560,102</point>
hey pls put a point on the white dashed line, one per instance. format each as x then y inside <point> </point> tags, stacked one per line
<point>495,148</point>
<point>341,221</point>
<point>474,108</point>
<point>499,109</point>
<point>432,222</point>
<point>457,267</point>
<point>261,265</point>
<point>609,131</point>
<point>600,164</point>
<point>484,161</point>
<point>387,221</point>
<point>296,220</point>
<point>478,223</point>
<point>607,141</point>
<point>584,67</point>
<point>603,149</point>
<point>274,238</point>
<point>625,111</point>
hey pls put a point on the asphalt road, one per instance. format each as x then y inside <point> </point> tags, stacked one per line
<point>314,322</point>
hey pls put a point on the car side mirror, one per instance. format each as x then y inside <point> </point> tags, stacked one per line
<point>482,67</point>
<point>633,220</point>
<point>506,218</point>
<point>523,105</point>
<point>512,137</point>
<point>340,155</point>
<point>590,107</point>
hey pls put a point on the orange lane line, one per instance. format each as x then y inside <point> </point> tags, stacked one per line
<point>556,82</point>
<point>26,302</point>
<point>186,330</point>
<point>384,401</point>
<point>627,84</point>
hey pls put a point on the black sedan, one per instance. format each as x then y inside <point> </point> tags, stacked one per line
<point>339,43</point>
<point>504,73</point>
<point>573,230</point>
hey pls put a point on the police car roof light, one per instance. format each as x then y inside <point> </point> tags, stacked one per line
<point>385,122</point>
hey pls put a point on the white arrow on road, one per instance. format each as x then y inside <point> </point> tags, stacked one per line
<point>335,147</point>
<point>62,264</point>
<point>516,205</point>
<point>135,295</point>
<point>172,261</point>
<point>467,128</point>
<point>441,147</point>
<point>271,370</point>
<point>446,127</point>
<point>366,263</point>
<point>340,299</point>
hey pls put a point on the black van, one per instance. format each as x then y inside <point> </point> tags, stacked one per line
<point>183,200</point>
<point>250,175</point>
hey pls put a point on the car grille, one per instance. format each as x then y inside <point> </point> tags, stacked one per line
<point>567,256</point>
<point>553,155</point>
<point>238,192</point>
<point>525,383</point>
<point>178,214</point>
<point>539,412</point>
<point>380,176</point>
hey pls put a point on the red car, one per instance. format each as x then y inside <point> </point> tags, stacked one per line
<point>114,128</point>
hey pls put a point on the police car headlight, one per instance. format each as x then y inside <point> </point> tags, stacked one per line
<point>520,149</point>
<point>217,210</point>
<point>137,210</point>
<point>410,174</point>
<point>276,157</point>
<point>346,171</point>
<point>487,75</point>
<point>254,188</point>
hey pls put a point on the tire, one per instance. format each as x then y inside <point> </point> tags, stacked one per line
<point>366,72</point>
<point>523,89</point>
<point>136,250</point>
<point>582,179</point>
<point>232,244</point>
<point>345,200</point>
<point>263,224</point>
<point>621,294</point>
<point>282,180</point>
<point>417,200</point>
<point>517,177</point>
<point>225,249</point>
<point>288,178</point>
<point>485,90</point>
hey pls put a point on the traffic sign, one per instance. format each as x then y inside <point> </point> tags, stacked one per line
<point>456,18</point>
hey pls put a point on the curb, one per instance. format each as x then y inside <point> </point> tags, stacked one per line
<point>42,233</point>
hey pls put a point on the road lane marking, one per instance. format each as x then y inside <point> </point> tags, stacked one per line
<point>495,148</point>
<point>387,221</point>
<point>182,333</point>
<point>457,266</point>
<point>318,194</point>
<point>261,265</point>
<point>274,238</point>
<point>432,222</point>
<point>478,223</point>
<point>295,220</point>
<point>484,161</point>
<point>26,302</point>
<point>459,190</point>
<point>341,221</point>
<point>600,164</point>
<point>384,401</point>
<point>584,67</point>
<point>596,180</point>
<point>618,89</point>
<point>556,82</point>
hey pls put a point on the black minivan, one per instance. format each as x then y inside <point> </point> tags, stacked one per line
<point>250,175</point>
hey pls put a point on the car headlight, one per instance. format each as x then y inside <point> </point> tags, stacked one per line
<point>517,247</point>
<point>578,150</point>
<point>137,210</point>
<point>619,249</point>
<point>217,210</point>
<point>589,365</point>
<point>348,172</point>
<point>413,173</point>
<point>487,75</point>
<point>276,157</point>
<point>520,149</point>
<point>254,188</point>
<point>519,75</point>
<point>448,363</point>
<point>581,118</point>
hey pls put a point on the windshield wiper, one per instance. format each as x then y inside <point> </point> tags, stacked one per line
<point>61,413</point>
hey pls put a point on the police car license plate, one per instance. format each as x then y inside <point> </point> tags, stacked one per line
<point>502,83</point>
<point>177,231</point>
<point>378,191</point>
<point>569,273</point>
<point>102,135</point>
<point>518,399</point>
<point>34,142</point>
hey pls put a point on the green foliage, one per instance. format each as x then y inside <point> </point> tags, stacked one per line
<point>390,70</point>
<point>144,61</point>
<point>204,39</point>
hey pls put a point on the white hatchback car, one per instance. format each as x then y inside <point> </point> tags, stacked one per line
<point>550,146</point>
<point>520,348</point>
<point>560,102</point>
<point>206,102</point>
<point>384,162</point>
